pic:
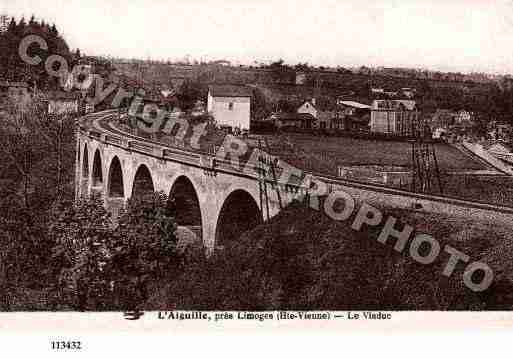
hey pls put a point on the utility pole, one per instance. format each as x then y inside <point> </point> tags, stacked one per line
<point>425,169</point>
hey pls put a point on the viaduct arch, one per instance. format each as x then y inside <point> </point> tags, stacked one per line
<point>115,187</point>
<point>238,214</point>
<point>143,182</point>
<point>97,174</point>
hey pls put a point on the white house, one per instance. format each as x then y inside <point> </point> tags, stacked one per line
<point>325,112</point>
<point>230,105</point>
<point>308,107</point>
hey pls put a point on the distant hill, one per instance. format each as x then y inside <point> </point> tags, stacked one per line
<point>487,96</point>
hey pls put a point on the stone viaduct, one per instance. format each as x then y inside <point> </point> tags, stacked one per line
<point>217,201</point>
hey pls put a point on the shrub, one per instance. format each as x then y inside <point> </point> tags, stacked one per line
<point>107,267</point>
<point>143,248</point>
<point>303,260</point>
<point>82,233</point>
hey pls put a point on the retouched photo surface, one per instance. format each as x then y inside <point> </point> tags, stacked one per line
<point>255,162</point>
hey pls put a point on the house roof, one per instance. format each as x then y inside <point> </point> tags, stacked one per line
<point>355,104</point>
<point>167,92</point>
<point>294,116</point>
<point>230,91</point>
<point>321,104</point>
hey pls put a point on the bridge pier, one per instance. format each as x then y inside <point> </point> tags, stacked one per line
<point>209,222</point>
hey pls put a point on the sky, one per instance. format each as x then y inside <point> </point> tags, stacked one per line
<point>450,35</point>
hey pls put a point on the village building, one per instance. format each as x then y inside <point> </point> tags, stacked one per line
<point>441,122</point>
<point>463,116</point>
<point>199,108</point>
<point>463,123</point>
<point>325,113</point>
<point>500,131</point>
<point>61,102</point>
<point>354,115</point>
<point>291,119</point>
<point>300,78</point>
<point>230,105</point>
<point>167,92</point>
<point>394,117</point>
<point>451,124</point>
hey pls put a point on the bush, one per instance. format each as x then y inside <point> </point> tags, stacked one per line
<point>107,267</point>
<point>82,233</point>
<point>303,260</point>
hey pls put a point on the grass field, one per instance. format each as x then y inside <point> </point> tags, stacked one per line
<point>326,153</point>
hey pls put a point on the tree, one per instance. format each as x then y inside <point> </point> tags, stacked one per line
<point>146,236</point>
<point>189,93</point>
<point>38,152</point>
<point>13,68</point>
<point>81,233</point>
<point>260,107</point>
<point>285,105</point>
<point>302,67</point>
<point>12,26</point>
<point>106,267</point>
<point>21,26</point>
<point>279,70</point>
<point>25,251</point>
